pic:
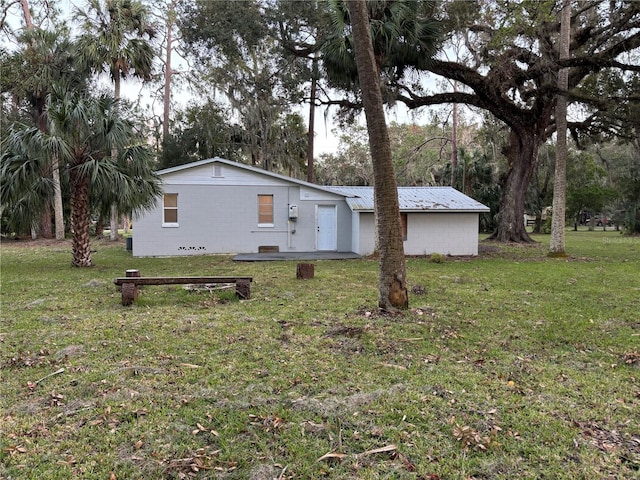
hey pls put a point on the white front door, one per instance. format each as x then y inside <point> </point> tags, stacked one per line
<point>327,231</point>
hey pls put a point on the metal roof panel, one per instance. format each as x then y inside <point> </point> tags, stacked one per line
<point>415,199</point>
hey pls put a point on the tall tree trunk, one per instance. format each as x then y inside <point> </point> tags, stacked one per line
<point>522,154</point>
<point>80,219</point>
<point>168,72</point>
<point>557,243</point>
<point>27,14</point>
<point>392,289</point>
<point>467,179</point>
<point>454,139</point>
<point>113,224</point>
<point>312,116</point>
<point>58,208</point>
<point>41,122</point>
<point>46,228</point>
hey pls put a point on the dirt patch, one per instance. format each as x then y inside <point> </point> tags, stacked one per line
<point>346,331</point>
<point>351,403</point>
<point>27,242</point>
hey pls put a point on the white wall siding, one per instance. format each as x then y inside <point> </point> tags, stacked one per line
<point>230,176</point>
<point>445,233</point>
<point>224,219</point>
<point>427,233</point>
<point>367,243</point>
<point>212,219</point>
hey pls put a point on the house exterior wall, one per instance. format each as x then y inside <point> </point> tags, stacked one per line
<point>444,233</point>
<point>367,243</point>
<point>218,213</point>
<point>427,233</point>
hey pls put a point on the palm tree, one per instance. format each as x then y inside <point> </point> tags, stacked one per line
<point>82,132</point>
<point>403,36</point>
<point>45,59</point>
<point>392,278</point>
<point>117,36</point>
<point>385,39</point>
<point>23,184</point>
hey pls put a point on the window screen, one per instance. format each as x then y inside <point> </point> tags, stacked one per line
<point>403,225</point>
<point>170,208</point>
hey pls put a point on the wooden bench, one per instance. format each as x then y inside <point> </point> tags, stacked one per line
<point>129,284</point>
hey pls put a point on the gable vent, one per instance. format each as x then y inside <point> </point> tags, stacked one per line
<point>217,170</point>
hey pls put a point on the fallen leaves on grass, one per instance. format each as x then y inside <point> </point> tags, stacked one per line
<point>28,359</point>
<point>269,423</point>
<point>391,365</point>
<point>610,440</point>
<point>55,399</point>
<point>471,438</point>
<point>632,358</point>
<point>202,429</point>
<point>432,359</point>
<point>200,460</point>
<point>12,450</point>
<point>190,365</point>
<point>340,456</point>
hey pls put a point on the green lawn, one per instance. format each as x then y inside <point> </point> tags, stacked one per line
<point>510,365</point>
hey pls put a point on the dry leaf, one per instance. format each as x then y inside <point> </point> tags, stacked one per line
<point>190,365</point>
<point>470,437</point>
<point>391,365</point>
<point>340,456</point>
<point>332,456</point>
<point>632,358</point>
<point>13,449</point>
<point>388,448</point>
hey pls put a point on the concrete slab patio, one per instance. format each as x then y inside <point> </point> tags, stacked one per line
<point>274,256</point>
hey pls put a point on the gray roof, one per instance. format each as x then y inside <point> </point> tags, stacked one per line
<point>414,199</point>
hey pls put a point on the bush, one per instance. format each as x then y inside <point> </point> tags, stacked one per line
<point>437,258</point>
<point>631,225</point>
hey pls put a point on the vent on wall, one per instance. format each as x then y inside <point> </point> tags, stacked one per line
<point>217,170</point>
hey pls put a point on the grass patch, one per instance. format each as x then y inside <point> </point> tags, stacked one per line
<point>508,365</point>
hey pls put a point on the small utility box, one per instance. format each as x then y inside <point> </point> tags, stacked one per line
<point>304,271</point>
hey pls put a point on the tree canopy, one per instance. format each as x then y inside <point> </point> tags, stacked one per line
<point>510,69</point>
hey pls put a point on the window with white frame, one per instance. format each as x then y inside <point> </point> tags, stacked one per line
<point>170,210</point>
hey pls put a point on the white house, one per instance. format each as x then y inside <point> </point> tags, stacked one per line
<point>220,206</point>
